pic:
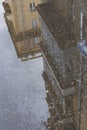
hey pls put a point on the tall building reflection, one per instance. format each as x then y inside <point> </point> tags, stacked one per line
<point>62,26</point>
<point>61,114</point>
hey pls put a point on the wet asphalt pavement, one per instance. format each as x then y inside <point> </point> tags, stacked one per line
<point>22,88</point>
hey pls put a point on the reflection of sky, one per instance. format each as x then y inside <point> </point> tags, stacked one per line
<point>82,45</point>
<point>22,91</point>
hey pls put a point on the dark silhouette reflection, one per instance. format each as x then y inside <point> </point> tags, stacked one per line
<point>59,119</point>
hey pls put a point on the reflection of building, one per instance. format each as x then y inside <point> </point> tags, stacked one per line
<point>24,25</point>
<point>58,59</point>
<point>58,119</point>
<point>61,30</point>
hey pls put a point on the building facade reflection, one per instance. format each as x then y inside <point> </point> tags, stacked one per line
<point>63,25</point>
<point>61,115</point>
<point>24,27</point>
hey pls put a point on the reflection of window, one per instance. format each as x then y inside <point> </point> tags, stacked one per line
<point>36,40</point>
<point>32,7</point>
<point>69,103</point>
<point>34,23</point>
<point>60,98</point>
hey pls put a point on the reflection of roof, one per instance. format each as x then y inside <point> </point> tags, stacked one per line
<point>82,45</point>
<point>58,26</point>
